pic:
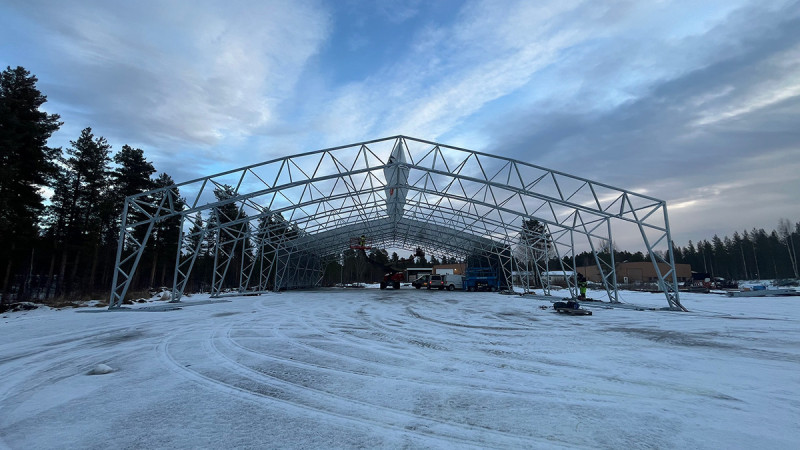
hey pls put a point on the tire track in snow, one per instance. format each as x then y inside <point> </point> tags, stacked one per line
<point>346,330</point>
<point>416,315</point>
<point>229,376</point>
<point>45,345</point>
<point>249,394</point>
<point>420,337</point>
<point>463,381</point>
<point>50,362</point>
<point>538,364</point>
<point>417,336</point>
<point>436,427</point>
<point>325,330</point>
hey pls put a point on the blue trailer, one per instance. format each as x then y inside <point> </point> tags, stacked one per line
<point>481,279</point>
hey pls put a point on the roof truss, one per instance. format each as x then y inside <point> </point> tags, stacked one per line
<point>400,191</point>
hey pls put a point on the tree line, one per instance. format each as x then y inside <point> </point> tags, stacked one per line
<point>60,208</point>
<point>751,255</point>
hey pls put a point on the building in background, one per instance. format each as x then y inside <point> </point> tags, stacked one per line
<point>449,269</point>
<point>637,272</point>
<point>412,273</point>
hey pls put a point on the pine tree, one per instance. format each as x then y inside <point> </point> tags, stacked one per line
<point>231,237</point>
<point>165,234</point>
<point>199,243</point>
<point>786,238</point>
<point>720,256</point>
<point>535,244</point>
<point>730,258</point>
<point>759,241</point>
<point>132,176</point>
<point>419,253</point>
<point>88,174</point>
<point>26,163</point>
<point>738,249</point>
<point>81,206</point>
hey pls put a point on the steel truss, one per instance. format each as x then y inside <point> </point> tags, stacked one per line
<point>283,219</point>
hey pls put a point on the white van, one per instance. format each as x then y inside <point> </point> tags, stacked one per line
<point>452,281</point>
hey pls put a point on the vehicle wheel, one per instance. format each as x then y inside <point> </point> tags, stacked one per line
<point>441,287</point>
<point>451,287</point>
<point>396,285</point>
<point>493,289</point>
<point>471,288</point>
<point>418,287</point>
<point>383,285</point>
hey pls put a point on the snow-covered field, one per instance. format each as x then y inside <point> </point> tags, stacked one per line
<point>340,368</point>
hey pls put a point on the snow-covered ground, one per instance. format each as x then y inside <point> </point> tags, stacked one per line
<point>338,368</point>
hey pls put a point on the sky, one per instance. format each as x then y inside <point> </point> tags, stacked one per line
<point>695,103</point>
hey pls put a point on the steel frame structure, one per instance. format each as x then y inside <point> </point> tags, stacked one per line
<point>294,214</point>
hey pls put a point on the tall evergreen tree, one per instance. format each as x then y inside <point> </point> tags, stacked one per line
<point>730,258</point>
<point>231,237</point>
<point>88,174</point>
<point>419,253</point>
<point>165,235</point>
<point>534,244</point>
<point>738,249</point>
<point>759,240</point>
<point>132,176</point>
<point>787,239</point>
<point>720,256</point>
<point>26,163</point>
<point>81,207</point>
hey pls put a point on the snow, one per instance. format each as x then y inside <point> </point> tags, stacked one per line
<point>100,369</point>
<point>344,368</point>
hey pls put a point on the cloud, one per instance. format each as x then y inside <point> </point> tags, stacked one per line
<point>398,11</point>
<point>716,134</point>
<point>175,72</point>
<point>682,101</point>
<point>454,71</point>
<point>657,98</point>
<point>449,72</point>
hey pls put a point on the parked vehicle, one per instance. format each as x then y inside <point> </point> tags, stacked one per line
<point>393,276</point>
<point>481,279</point>
<point>436,282</point>
<point>393,280</point>
<point>421,282</point>
<point>452,281</point>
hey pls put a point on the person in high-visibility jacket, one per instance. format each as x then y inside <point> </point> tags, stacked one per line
<point>582,286</point>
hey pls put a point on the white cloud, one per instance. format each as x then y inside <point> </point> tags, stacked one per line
<point>780,82</point>
<point>624,92</point>
<point>197,72</point>
<point>451,72</point>
<point>577,55</point>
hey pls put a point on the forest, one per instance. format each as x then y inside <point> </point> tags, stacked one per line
<point>749,255</point>
<point>60,214</point>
